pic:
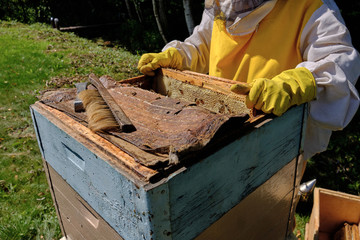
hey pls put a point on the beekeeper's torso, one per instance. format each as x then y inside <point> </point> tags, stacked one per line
<point>262,44</point>
<point>244,40</point>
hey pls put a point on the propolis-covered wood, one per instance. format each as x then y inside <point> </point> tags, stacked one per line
<point>143,202</point>
<point>209,92</point>
<point>168,127</point>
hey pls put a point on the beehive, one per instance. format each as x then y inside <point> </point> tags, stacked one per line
<point>239,171</point>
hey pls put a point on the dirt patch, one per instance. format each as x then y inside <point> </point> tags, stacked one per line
<point>61,81</point>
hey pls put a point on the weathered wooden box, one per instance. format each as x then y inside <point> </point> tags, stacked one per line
<point>78,220</point>
<point>224,189</point>
<point>331,210</point>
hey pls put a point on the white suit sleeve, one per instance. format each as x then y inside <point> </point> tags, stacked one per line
<point>328,53</point>
<point>195,49</point>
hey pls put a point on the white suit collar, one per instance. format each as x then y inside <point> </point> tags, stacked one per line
<point>248,22</point>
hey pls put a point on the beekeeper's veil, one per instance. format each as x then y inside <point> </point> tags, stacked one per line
<point>230,10</point>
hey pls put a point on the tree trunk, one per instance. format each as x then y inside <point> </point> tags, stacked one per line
<point>163,18</point>
<point>138,10</point>
<point>129,9</point>
<point>188,16</point>
<point>158,22</point>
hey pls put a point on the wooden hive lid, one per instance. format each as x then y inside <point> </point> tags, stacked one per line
<point>200,116</point>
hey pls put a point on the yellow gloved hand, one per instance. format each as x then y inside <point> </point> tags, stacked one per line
<point>276,95</point>
<point>149,62</point>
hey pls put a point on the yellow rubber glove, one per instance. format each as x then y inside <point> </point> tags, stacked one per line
<point>149,62</point>
<point>276,95</point>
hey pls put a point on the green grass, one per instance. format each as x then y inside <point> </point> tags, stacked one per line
<point>34,58</point>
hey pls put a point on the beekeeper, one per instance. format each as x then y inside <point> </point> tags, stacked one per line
<point>290,51</point>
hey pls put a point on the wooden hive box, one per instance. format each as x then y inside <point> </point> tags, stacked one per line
<point>78,220</point>
<point>331,210</point>
<point>238,181</point>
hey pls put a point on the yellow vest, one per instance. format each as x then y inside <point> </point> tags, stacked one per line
<point>266,52</point>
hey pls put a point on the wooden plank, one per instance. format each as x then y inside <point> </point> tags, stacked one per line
<point>208,92</point>
<point>74,28</point>
<point>74,233</point>
<point>347,232</point>
<point>51,186</point>
<point>263,214</point>
<point>215,84</point>
<point>312,230</point>
<point>62,101</point>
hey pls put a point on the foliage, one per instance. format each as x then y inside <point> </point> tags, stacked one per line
<point>33,59</point>
<point>350,11</point>
<point>301,221</point>
<point>137,29</point>
<point>27,11</point>
<point>339,167</point>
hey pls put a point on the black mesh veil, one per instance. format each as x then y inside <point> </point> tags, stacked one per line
<point>229,10</point>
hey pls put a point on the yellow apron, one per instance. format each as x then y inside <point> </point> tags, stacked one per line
<point>272,48</point>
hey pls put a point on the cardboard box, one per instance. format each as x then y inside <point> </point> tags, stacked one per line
<point>331,210</point>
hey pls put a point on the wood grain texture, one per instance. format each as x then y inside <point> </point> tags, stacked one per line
<point>164,125</point>
<point>312,227</point>
<point>206,191</point>
<point>50,122</point>
<point>337,208</point>
<point>347,232</point>
<point>261,215</point>
<point>209,92</point>
<point>80,221</point>
<point>331,209</point>
<point>51,187</point>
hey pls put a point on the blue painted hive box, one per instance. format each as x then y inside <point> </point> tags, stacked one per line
<point>197,167</point>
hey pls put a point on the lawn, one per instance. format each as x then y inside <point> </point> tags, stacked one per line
<point>35,58</point>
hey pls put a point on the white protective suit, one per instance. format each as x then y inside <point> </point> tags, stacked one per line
<point>326,51</point>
